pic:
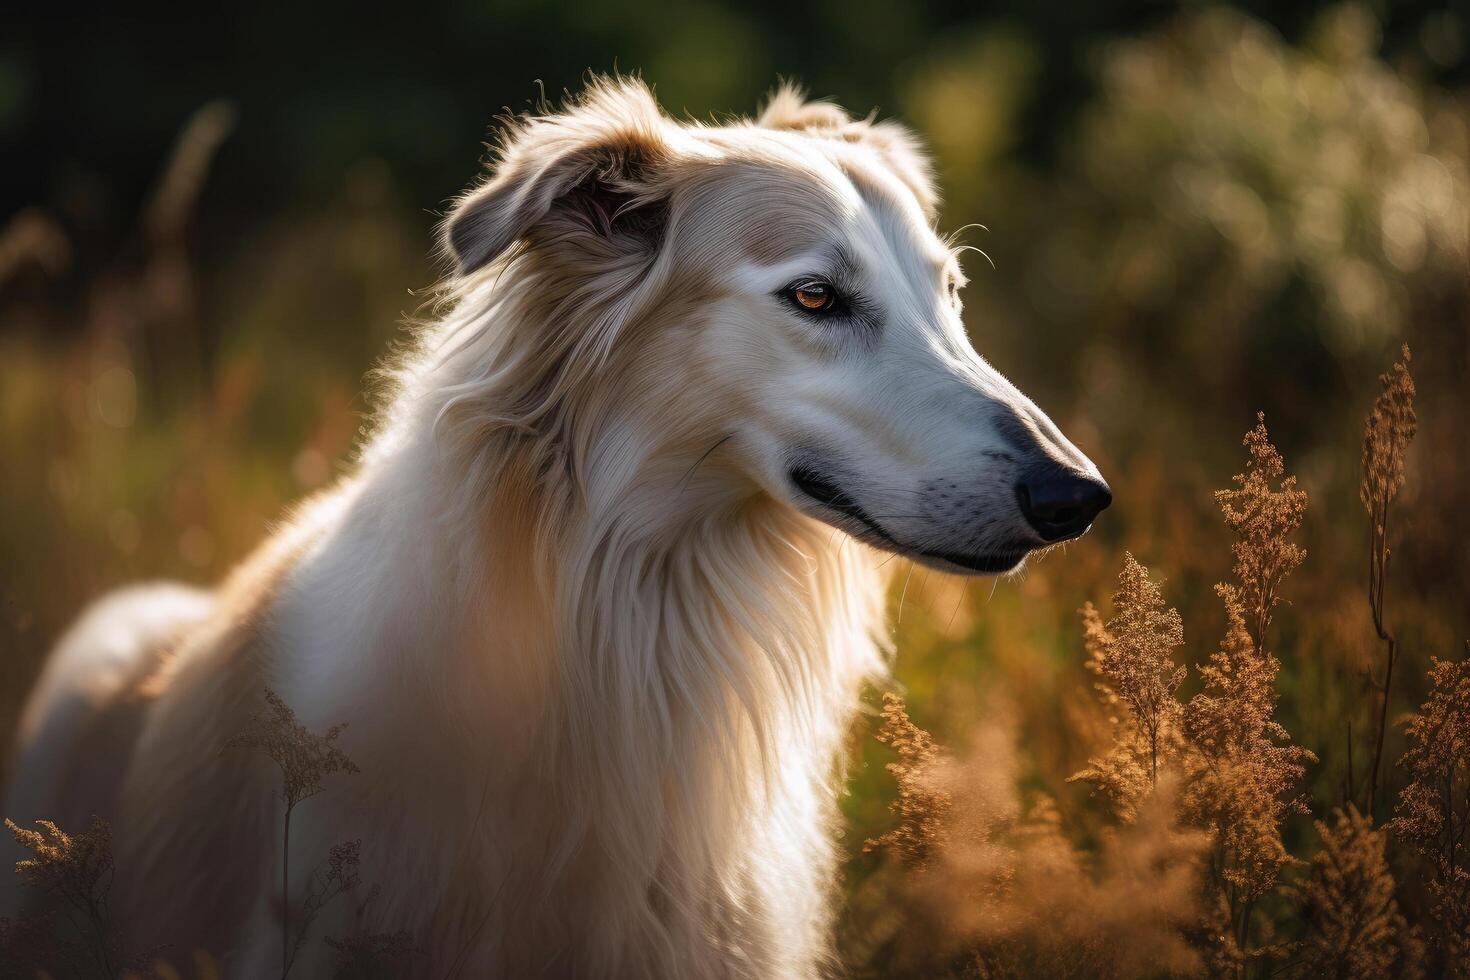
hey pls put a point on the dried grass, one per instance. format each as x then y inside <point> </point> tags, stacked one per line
<point>1354,927</point>
<point>1001,891</point>
<point>1132,655</point>
<point>72,933</point>
<point>304,759</point>
<point>1433,811</point>
<point>921,805</point>
<point>1199,790</point>
<point>1389,429</point>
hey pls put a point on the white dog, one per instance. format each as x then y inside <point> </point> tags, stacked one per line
<point>581,603</point>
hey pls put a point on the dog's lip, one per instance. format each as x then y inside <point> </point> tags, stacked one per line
<point>990,563</point>
<point>824,491</point>
<point>828,494</point>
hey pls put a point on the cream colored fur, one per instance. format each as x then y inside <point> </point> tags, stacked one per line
<point>597,655</point>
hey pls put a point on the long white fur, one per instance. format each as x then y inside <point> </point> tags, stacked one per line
<point>596,659</point>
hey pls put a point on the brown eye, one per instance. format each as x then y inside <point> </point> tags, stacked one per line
<point>815,296</point>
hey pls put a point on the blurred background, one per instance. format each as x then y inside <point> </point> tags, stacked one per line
<point>213,221</point>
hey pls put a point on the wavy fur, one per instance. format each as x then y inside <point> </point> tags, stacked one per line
<point>595,652</point>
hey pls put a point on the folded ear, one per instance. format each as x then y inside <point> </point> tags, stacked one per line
<point>597,161</point>
<point>788,108</point>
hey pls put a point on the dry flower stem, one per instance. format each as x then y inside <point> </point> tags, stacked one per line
<point>1389,429</point>
<point>304,759</point>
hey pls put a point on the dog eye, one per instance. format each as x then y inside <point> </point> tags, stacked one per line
<point>815,297</point>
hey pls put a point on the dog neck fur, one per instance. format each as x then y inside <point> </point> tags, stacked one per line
<point>652,662</point>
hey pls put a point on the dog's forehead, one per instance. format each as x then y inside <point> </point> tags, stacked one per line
<point>783,194</point>
<point>896,221</point>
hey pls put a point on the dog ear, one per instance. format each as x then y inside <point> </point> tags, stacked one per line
<point>596,163</point>
<point>788,108</point>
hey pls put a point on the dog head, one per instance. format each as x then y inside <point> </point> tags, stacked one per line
<point>760,308</point>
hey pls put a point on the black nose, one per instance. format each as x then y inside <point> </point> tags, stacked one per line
<point>1059,503</point>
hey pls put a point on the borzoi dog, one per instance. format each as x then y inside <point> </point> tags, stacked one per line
<point>581,602</point>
